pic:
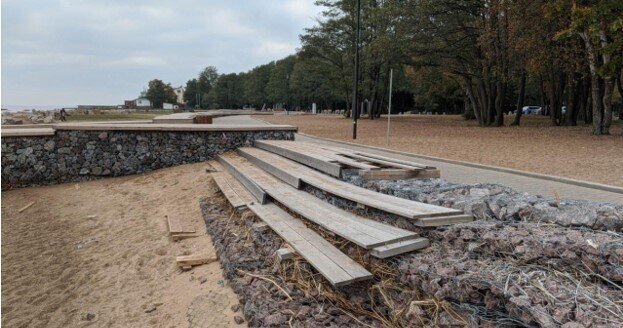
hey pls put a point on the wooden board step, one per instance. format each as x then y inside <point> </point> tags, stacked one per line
<point>443,220</point>
<point>287,150</point>
<point>400,247</point>
<point>237,195</point>
<point>364,232</point>
<point>280,166</point>
<point>335,266</point>
<point>251,186</point>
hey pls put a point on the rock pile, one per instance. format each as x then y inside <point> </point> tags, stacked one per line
<point>28,117</point>
<point>526,261</point>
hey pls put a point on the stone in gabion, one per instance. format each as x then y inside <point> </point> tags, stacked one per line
<point>83,155</point>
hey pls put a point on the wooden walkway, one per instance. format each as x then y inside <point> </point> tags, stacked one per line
<point>294,174</point>
<point>331,160</point>
<point>335,266</point>
<point>361,231</point>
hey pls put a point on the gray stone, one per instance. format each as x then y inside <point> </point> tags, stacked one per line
<point>103,136</point>
<point>49,146</point>
<point>71,155</point>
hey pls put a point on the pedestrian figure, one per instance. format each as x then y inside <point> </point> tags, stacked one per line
<point>63,115</point>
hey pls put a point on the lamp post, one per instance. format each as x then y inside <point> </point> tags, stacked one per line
<point>355,105</point>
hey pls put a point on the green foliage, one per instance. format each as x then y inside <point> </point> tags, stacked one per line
<point>158,93</point>
<point>191,93</point>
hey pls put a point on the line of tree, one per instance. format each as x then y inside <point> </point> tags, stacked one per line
<point>482,58</point>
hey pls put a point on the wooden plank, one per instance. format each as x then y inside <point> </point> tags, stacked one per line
<point>227,190</point>
<point>398,174</point>
<point>401,247</point>
<point>394,160</point>
<point>319,164</point>
<point>391,204</point>
<point>334,265</point>
<point>383,162</point>
<point>252,187</point>
<point>444,220</point>
<point>361,231</point>
<point>179,225</point>
<point>236,186</point>
<point>282,175</point>
<point>191,260</point>
<point>25,207</point>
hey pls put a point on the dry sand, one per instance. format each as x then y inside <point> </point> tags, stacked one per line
<point>60,263</point>
<point>535,146</point>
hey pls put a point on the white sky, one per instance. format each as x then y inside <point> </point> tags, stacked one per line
<point>69,52</point>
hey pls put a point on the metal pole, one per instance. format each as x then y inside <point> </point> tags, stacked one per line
<point>355,106</point>
<point>389,106</point>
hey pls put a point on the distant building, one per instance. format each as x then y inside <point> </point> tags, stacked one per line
<point>139,103</point>
<point>179,93</point>
<point>170,106</point>
<point>142,102</point>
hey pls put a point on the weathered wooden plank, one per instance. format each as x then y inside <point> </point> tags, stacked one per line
<point>383,162</point>
<point>400,247</point>
<point>398,174</point>
<point>281,149</point>
<point>252,187</point>
<point>283,175</point>
<point>179,225</point>
<point>361,231</point>
<point>444,220</point>
<point>334,265</point>
<point>391,204</point>
<point>196,259</point>
<point>241,192</point>
<point>227,190</point>
<point>393,160</point>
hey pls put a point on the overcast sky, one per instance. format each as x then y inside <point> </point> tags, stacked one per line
<point>70,52</point>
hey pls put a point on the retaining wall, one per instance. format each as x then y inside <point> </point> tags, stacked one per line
<point>77,155</point>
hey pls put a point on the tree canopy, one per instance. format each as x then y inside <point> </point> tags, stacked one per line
<point>158,93</point>
<point>480,58</point>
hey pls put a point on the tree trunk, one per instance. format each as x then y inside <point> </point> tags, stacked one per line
<point>598,124</point>
<point>520,99</point>
<point>544,104</point>
<point>499,103</point>
<point>574,90</point>
<point>620,88</point>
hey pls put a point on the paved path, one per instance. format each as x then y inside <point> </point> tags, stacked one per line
<point>466,174</point>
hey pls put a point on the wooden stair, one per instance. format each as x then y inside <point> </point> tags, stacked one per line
<point>335,266</point>
<point>364,232</point>
<point>295,174</point>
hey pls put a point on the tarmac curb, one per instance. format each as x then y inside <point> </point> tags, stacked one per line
<point>554,178</point>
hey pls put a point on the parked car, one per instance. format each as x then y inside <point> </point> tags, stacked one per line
<point>532,110</point>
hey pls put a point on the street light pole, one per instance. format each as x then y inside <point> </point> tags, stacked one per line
<point>355,105</point>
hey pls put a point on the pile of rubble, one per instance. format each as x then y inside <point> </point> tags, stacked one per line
<point>28,117</point>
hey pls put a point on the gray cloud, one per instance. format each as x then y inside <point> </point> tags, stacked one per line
<point>68,52</point>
